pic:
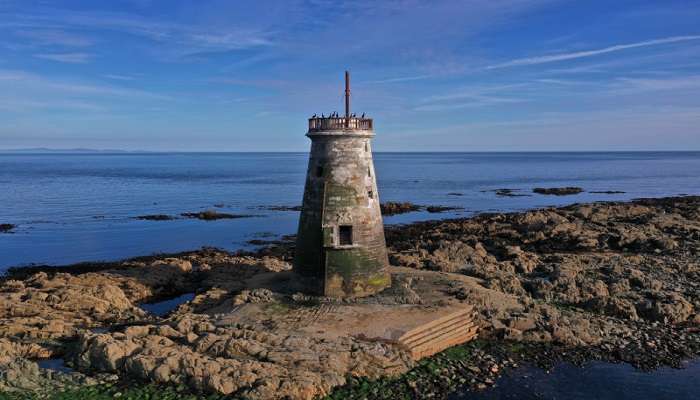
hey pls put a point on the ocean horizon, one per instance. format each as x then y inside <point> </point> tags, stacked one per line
<point>139,152</point>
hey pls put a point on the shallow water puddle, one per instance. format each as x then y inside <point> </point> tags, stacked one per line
<point>55,364</point>
<point>161,308</point>
<point>597,380</point>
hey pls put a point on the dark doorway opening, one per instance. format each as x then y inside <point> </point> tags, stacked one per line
<point>345,235</point>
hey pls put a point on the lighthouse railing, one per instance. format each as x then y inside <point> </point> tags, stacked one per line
<point>339,123</point>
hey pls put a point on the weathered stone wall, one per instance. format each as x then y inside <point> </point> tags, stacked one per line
<point>341,190</point>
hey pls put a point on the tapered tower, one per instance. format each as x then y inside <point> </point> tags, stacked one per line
<point>340,241</point>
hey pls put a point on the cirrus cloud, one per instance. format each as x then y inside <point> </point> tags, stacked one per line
<point>590,53</point>
<point>72,58</point>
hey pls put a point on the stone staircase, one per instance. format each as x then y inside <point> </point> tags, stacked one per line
<point>435,336</point>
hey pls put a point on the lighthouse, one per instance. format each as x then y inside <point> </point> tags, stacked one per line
<point>340,241</point>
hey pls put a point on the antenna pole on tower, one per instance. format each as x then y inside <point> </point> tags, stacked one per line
<point>347,99</point>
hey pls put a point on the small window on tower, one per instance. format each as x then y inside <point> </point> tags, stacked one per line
<point>345,235</point>
<point>370,193</point>
<point>319,170</point>
<point>369,172</point>
<point>366,147</point>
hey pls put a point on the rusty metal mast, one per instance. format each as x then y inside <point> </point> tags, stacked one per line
<point>347,99</point>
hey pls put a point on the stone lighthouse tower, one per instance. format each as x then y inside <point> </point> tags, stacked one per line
<point>340,242</point>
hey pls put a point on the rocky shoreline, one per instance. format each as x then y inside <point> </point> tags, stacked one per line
<point>603,281</point>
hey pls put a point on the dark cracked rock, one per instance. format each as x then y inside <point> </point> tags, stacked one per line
<point>281,208</point>
<point>212,215</point>
<point>5,228</point>
<point>505,192</point>
<point>393,208</point>
<point>155,217</point>
<point>562,191</point>
<point>439,209</point>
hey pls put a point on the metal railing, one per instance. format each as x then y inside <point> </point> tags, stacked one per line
<point>339,123</point>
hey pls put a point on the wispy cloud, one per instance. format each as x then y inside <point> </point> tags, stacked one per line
<point>623,128</point>
<point>229,40</point>
<point>648,84</point>
<point>474,101</point>
<point>262,83</point>
<point>403,79</point>
<point>117,77</point>
<point>472,96</point>
<point>673,61</point>
<point>29,82</point>
<point>23,105</point>
<point>561,82</point>
<point>175,38</point>
<point>72,58</point>
<point>474,91</point>
<point>14,75</point>
<point>590,53</point>
<point>581,69</point>
<point>54,37</point>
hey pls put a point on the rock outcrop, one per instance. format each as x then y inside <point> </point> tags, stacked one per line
<point>235,360</point>
<point>7,227</point>
<point>580,275</point>
<point>621,280</point>
<point>561,191</point>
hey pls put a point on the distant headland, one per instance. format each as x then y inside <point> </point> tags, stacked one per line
<point>35,150</point>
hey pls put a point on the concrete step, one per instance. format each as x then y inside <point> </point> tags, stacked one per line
<point>432,348</point>
<point>436,336</point>
<point>457,327</point>
<point>436,324</point>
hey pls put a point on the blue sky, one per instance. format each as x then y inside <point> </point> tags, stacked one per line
<point>480,75</point>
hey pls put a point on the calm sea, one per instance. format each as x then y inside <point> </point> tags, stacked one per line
<point>81,207</point>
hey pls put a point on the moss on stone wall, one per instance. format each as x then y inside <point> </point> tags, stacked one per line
<point>354,272</point>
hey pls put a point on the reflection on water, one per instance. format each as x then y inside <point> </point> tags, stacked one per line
<point>597,380</point>
<point>161,308</point>
<point>54,364</point>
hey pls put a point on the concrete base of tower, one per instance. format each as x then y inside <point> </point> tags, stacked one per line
<point>416,313</point>
<point>344,272</point>
<point>339,284</point>
<point>357,286</point>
